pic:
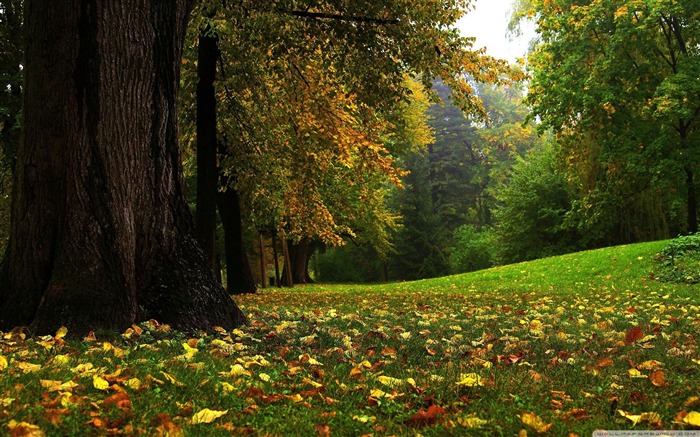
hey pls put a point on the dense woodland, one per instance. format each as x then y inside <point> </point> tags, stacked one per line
<point>354,141</point>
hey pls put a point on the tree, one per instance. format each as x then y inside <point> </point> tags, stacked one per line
<point>101,235</point>
<point>624,75</point>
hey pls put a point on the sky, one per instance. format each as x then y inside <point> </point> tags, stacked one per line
<point>488,22</point>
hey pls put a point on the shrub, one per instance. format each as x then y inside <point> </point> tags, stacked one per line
<point>679,261</point>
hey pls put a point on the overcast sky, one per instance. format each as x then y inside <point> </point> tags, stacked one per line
<point>488,22</point>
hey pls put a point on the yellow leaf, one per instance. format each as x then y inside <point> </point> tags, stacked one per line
<point>227,388</point>
<point>534,421</point>
<point>634,373</point>
<point>100,383</point>
<point>62,331</point>
<point>24,429</point>
<point>61,359</point>
<point>471,421</point>
<point>3,363</point>
<point>237,370</point>
<point>207,416</point>
<point>264,377</point>
<point>133,383</point>
<point>405,335</point>
<point>470,380</point>
<point>312,382</point>
<point>692,419</point>
<point>171,379</point>
<point>650,365</point>
<point>28,367</point>
<point>52,386</point>
<point>364,418</point>
<point>389,381</point>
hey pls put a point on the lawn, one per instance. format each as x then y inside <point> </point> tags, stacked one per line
<point>570,344</point>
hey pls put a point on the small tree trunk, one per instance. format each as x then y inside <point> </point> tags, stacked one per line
<point>262,260</point>
<point>239,277</point>
<point>101,234</point>
<point>692,201</point>
<point>287,280</point>
<point>275,255</point>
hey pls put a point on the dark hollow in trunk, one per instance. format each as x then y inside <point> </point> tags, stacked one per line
<point>101,235</point>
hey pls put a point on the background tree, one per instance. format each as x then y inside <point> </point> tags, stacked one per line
<point>622,77</point>
<point>89,247</point>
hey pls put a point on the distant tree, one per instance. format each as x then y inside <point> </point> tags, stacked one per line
<point>532,210</point>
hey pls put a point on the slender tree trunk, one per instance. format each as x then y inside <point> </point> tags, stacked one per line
<point>263,270</point>
<point>101,235</point>
<point>287,280</point>
<point>207,174</point>
<point>692,201</point>
<point>275,255</point>
<point>239,277</point>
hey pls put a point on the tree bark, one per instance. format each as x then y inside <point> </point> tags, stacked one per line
<point>299,257</point>
<point>101,235</point>
<point>239,276</point>
<point>207,173</point>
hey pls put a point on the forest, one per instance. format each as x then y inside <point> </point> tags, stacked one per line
<point>325,152</point>
<point>182,183</point>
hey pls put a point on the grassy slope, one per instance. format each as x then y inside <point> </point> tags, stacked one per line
<point>549,337</point>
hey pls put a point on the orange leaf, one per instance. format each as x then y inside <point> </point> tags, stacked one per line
<point>657,378</point>
<point>323,430</point>
<point>634,334</point>
<point>428,417</point>
<point>604,362</point>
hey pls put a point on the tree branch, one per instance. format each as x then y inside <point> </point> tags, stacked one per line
<point>339,17</point>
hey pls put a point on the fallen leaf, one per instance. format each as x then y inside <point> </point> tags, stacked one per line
<point>535,422</point>
<point>471,422</point>
<point>3,363</point>
<point>62,331</point>
<point>100,383</point>
<point>470,380</point>
<point>322,430</point>
<point>634,334</point>
<point>24,429</point>
<point>207,416</point>
<point>389,381</point>
<point>692,419</point>
<point>427,417</point>
<point>657,378</point>
<point>604,362</point>
<point>650,365</point>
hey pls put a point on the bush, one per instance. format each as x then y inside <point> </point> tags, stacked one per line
<point>471,250</point>
<point>346,264</point>
<point>679,262</point>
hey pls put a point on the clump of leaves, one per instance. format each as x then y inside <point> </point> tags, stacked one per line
<point>679,261</point>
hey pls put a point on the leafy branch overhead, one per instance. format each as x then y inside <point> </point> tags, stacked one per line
<point>313,103</point>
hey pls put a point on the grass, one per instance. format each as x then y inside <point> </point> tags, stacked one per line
<point>569,344</point>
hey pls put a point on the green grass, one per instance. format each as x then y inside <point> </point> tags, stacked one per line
<point>553,337</point>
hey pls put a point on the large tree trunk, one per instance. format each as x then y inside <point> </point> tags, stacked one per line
<point>101,236</point>
<point>239,277</point>
<point>299,257</point>
<point>207,174</point>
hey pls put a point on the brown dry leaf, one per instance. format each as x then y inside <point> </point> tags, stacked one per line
<point>120,400</point>
<point>389,352</point>
<point>634,334</point>
<point>535,422</point>
<point>428,417</point>
<point>604,363</point>
<point>322,429</point>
